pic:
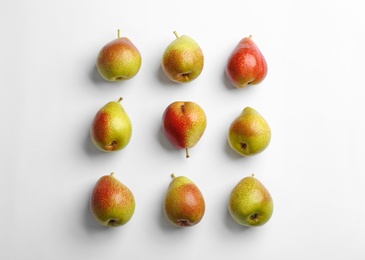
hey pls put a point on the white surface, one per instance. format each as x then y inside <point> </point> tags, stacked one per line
<point>313,98</point>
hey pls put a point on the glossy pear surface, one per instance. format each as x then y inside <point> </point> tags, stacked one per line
<point>246,65</point>
<point>118,60</point>
<point>111,129</point>
<point>183,59</point>
<point>184,204</point>
<point>250,203</point>
<point>184,123</point>
<point>112,203</point>
<point>249,133</point>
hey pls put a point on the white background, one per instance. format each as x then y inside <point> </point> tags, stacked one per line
<point>312,97</point>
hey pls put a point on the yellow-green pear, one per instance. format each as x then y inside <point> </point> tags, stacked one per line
<point>119,60</point>
<point>111,203</point>
<point>111,129</point>
<point>183,59</point>
<point>184,204</point>
<point>249,133</point>
<point>250,203</point>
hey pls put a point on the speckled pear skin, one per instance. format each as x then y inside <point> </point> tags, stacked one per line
<point>249,134</point>
<point>112,203</point>
<point>184,123</point>
<point>183,59</point>
<point>250,203</point>
<point>246,65</point>
<point>111,129</point>
<point>184,204</point>
<point>119,60</point>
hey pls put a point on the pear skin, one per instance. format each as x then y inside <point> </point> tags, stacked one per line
<point>118,60</point>
<point>246,65</point>
<point>249,134</point>
<point>183,59</point>
<point>111,129</point>
<point>184,204</point>
<point>111,203</point>
<point>184,123</point>
<point>250,203</point>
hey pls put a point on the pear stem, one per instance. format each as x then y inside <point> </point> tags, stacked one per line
<point>120,99</point>
<point>118,33</point>
<point>177,36</point>
<point>112,174</point>
<point>173,176</point>
<point>187,153</point>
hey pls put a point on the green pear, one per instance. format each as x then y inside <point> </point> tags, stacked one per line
<point>111,203</point>
<point>119,60</point>
<point>183,59</point>
<point>250,203</point>
<point>111,129</point>
<point>249,133</point>
<point>184,204</point>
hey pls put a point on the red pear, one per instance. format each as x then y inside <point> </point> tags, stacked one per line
<point>184,204</point>
<point>112,203</point>
<point>246,64</point>
<point>184,123</point>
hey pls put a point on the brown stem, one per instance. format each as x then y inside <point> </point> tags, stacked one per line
<point>187,153</point>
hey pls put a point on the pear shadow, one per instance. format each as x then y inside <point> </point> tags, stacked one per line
<point>89,148</point>
<point>231,153</point>
<point>226,81</point>
<point>232,225</point>
<point>90,224</point>
<point>95,76</point>
<point>92,151</point>
<point>165,143</point>
<point>164,80</point>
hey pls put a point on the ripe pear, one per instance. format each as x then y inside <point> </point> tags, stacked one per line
<point>184,204</point>
<point>246,65</point>
<point>112,203</point>
<point>249,133</point>
<point>183,59</point>
<point>119,60</point>
<point>250,203</point>
<point>111,129</point>
<point>183,123</point>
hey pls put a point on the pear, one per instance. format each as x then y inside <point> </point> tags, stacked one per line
<point>184,204</point>
<point>249,133</point>
<point>250,203</point>
<point>246,65</point>
<point>183,59</point>
<point>111,129</point>
<point>118,60</point>
<point>184,123</point>
<point>111,203</point>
